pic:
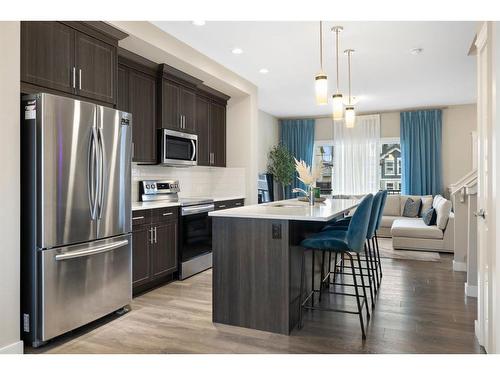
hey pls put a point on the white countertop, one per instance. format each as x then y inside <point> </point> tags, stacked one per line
<point>291,209</point>
<point>162,204</point>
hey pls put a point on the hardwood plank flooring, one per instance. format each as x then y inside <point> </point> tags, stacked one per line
<point>421,308</point>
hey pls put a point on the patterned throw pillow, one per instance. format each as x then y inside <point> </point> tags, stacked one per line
<point>429,216</point>
<point>412,208</point>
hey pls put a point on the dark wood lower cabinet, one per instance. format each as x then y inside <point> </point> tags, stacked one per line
<point>164,249</point>
<point>154,247</point>
<point>141,265</point>
<point>232,203</point>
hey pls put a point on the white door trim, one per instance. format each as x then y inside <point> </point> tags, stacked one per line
<point>14,348</point>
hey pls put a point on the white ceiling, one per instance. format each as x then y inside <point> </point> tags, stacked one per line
<point>386,75</point>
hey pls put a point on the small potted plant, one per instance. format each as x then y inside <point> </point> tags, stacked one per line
<point>308,175</point>
<point>281,166</point>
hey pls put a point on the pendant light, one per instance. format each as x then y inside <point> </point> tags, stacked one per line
<point>321,79</point>
<point>337,103</point>
<point>350,114</point>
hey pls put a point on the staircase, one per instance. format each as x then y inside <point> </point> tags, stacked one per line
<point>463,194</point>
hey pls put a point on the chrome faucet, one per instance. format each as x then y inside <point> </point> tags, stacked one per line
<point>309,196</point>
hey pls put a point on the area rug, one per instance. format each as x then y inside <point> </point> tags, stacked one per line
<point>386,251</point>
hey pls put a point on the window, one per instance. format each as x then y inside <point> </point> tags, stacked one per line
<point>390,165</point>
<point>323,150</point>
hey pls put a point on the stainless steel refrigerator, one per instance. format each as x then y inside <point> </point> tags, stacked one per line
<point>76,244</point>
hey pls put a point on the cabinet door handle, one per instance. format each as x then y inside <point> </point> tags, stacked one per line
<point>79,79</point>
<point>138,218</point>
<point>151,235</point>
<point>237,204</point>
<point>74,77</point>
<point>155,236</point>
<point>222,206</point>
<point>168,213</point>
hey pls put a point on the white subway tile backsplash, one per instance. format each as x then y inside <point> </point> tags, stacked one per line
<point>193,181</point>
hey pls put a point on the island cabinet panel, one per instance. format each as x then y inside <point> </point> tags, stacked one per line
<point>76,59</point>
<point>251,274</point>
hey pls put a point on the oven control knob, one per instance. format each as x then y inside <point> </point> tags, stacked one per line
<point>152,186</point>
<point>147,186</point>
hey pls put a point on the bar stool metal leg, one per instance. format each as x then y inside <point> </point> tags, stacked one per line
<point>357,296</point>
<point>301,293</point>
<point>378,255</point>
<point>373,265</point>
<point>363,286</point>
<point>370,284</point>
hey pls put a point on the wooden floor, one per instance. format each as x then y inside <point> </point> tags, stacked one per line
<point>421,308</point>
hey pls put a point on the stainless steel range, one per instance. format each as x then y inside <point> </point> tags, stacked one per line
<point>195,226</point>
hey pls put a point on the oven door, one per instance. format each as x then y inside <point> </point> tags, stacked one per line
<point>196,232</point>
<point>177,148</point>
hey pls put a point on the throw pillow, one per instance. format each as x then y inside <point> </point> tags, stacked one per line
<point>426,204</point>
<point>412,208</point>
<point>443,210</point>
<point>429,216</point>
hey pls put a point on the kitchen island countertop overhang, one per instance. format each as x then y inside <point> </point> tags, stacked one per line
<point>292,209</point>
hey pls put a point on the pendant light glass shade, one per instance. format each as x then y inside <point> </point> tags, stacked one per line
<point>321,88</point>
<point>350,117</point>
<point>337,107</point>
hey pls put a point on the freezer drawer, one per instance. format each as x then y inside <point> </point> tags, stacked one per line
<point>82,283</point>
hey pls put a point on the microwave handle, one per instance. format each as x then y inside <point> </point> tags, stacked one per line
<point>193,157</point>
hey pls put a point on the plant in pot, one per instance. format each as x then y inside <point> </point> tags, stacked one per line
<point>281,165</point>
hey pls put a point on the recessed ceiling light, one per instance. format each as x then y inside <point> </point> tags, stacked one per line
<point>416,51</point>
<point>198,23</point>
<point>264,71</point>
<point>237,51</point>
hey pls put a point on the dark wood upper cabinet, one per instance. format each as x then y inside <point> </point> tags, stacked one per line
<point>96,68</point>
<point>142,90</point>
<point>47,55</point>
<point>176,99</point>
<point>218,134</point>
<point>122,101</point>
<point>169,106</point>
<point>137,95</point>
<point>76,59</point>
<point>203,130</point>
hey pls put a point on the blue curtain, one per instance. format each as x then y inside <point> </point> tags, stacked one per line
<point>298,137</point>
<point>421,133</point>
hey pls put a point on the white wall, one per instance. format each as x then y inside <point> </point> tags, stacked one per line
<point>268,137</point>
<point>10,218</point>
<point>458,123</point>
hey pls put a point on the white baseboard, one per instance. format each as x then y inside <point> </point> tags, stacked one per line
<point>15,348</point>
<point>471,290</point>
<point>459,266</point>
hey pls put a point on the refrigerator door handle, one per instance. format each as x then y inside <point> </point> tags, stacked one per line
<point>91,251</point>
<point>101,163</point>
<point>91,173</point>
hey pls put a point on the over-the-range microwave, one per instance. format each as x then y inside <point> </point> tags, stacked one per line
<point>177,148</point>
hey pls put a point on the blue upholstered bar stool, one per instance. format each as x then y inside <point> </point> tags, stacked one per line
<point>372,255</point>
<point>342,242</point>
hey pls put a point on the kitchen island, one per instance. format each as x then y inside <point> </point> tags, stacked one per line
<point>257,260</point>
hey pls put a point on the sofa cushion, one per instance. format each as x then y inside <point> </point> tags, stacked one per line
<point>403,199</point>
<point>443,210</point>
<point>392,206</point>
<point>412,207</point>
<point>429,217</point>
<point>426,203</point>
<point>386,221</point>
<point>415,228</point>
